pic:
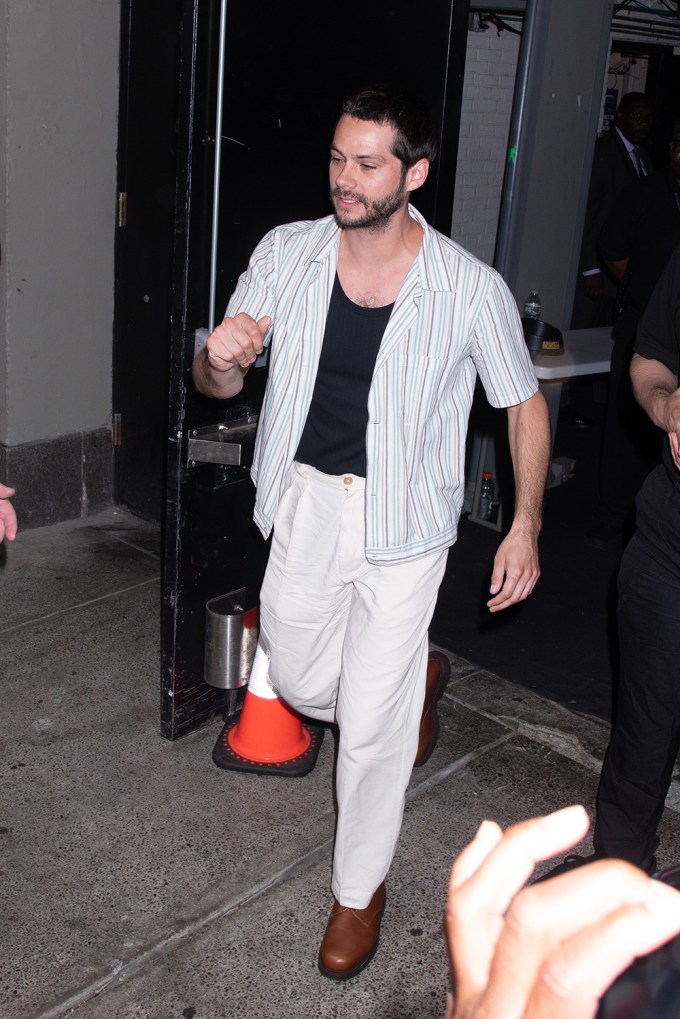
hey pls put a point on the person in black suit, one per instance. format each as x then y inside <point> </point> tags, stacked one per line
<point>639,236</point>
<point>619,159</point>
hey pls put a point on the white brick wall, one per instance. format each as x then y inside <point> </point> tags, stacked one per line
<point>490,68</point>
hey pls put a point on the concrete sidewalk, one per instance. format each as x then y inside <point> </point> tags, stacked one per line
<point>138,881</point>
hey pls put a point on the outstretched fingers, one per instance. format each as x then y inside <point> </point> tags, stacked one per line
<point>484,881</point>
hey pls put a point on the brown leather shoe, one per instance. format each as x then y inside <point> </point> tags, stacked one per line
<point>438,672</point>
<point>351,938</point>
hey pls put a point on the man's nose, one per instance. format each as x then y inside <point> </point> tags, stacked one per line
<point>344,177</point>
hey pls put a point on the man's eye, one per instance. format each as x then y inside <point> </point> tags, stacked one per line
<point>367,166</point>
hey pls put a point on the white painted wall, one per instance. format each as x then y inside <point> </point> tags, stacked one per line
<point>58,114</point>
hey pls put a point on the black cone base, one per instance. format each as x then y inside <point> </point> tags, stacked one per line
<point>224,757</point>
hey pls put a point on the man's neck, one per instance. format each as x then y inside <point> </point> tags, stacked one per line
<point>626,141</point>
<point>399,239</point>
<point>372,266</point>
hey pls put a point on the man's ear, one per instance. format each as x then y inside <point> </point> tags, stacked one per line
<point>417,174</point>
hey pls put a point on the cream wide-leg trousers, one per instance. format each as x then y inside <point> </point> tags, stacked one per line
<point>347,643</point>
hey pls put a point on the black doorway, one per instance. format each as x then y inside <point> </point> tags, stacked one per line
<point>283,80</point>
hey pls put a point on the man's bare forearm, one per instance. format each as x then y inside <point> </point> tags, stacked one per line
<point>218,384</point>
<point>656,390</point>
<point>516,567</point>
<point>231,348</point>
<point>529,435</point>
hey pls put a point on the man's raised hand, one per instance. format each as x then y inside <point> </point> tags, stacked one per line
<point>236,342</point>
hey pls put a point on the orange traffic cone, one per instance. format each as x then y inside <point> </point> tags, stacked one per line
<point>269,737</point>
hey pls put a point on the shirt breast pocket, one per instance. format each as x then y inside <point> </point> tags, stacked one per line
<point>423,377</point>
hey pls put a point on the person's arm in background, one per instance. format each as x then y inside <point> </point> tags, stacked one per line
<point>618,267</point>
<point>656,390</point>
<point>549,951</point>
<point>516,568</point>
<point>618,236</point>
<point>8,517</point>
<point>597,207</point>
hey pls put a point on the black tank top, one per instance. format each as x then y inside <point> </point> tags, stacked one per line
<point>334,437</point>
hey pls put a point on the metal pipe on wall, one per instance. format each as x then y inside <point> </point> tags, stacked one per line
<point>218,164</point>
<point>517,121</point>
<point>553,130</point>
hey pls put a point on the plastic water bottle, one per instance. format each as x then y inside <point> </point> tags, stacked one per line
<point>486,496</point>
<point>532,305</point>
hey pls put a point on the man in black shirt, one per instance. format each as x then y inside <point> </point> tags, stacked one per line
<point>646,736</point>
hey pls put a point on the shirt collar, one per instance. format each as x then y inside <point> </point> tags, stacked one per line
<point>629,145</point>
<point>431,264</point>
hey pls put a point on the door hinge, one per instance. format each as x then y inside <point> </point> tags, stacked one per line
<point>117,430</point>
<point>122,208</point>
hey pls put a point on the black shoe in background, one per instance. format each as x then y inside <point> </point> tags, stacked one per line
<point>573,860</point>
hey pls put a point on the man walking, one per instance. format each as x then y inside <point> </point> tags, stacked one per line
<point>379,326</point>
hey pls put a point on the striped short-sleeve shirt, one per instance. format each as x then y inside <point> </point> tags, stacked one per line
<point>454,320</point>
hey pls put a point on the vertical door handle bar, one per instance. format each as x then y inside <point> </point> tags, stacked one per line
<point>218,163</point>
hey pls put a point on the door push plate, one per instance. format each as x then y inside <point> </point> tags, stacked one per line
<point>230,443</point>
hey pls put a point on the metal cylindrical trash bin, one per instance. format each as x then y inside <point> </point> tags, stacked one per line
<point>231,632</point>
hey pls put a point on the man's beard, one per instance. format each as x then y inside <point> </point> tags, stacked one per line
<point>377,214</point>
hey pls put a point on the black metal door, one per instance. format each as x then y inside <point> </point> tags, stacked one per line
<point>285,70</point>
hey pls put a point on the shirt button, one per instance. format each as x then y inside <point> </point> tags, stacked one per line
<point>347,480</point>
